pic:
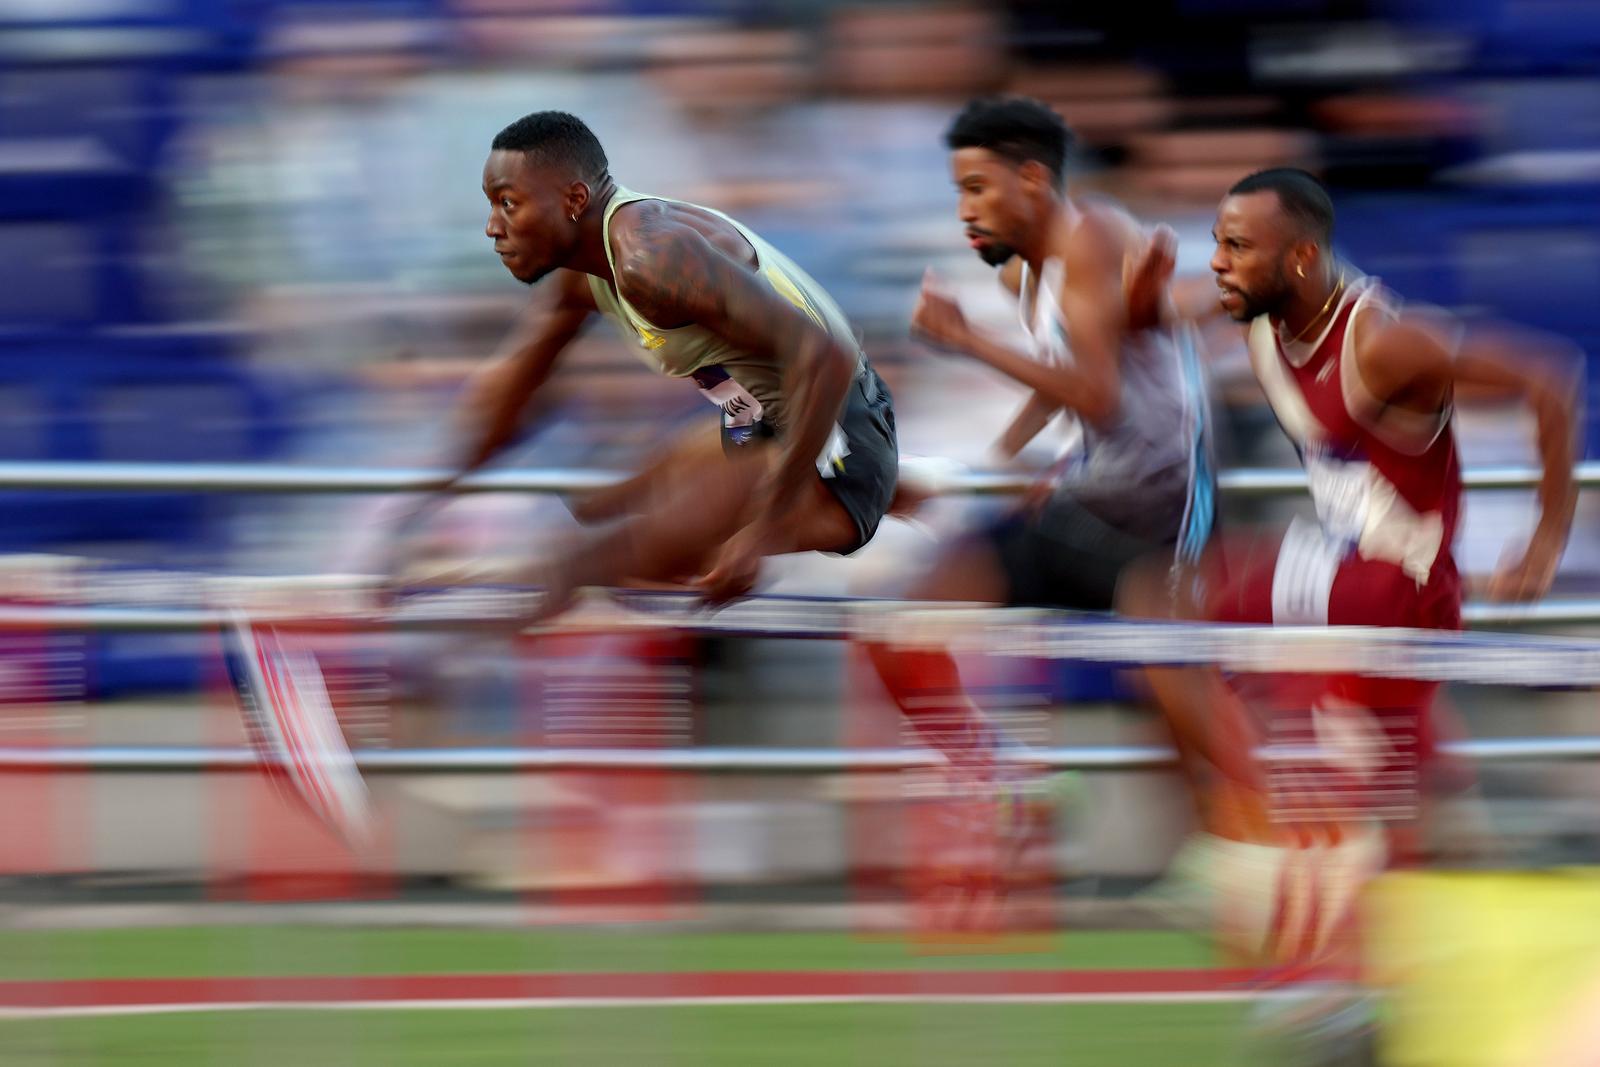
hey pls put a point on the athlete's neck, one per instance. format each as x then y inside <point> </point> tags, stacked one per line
<point>1048,240</point>
<point>1312,303</point>
<point>590,257</point>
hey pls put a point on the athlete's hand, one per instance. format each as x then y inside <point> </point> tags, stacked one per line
<point>1044,487</point>
<point>405,542</point>
<point>734,572</point>
<point>909,496</point>
<point>937,319</point>
<point>1039,494</point>
<point>921,479</point>
<point>1146,277</point>
<point>1530,577</point>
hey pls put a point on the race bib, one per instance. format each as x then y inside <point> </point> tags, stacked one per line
<point>741,412</point>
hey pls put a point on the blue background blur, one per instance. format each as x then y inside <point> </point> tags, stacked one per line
<point>252,230</point>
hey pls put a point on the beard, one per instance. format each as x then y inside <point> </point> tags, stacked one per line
<point>1270,301</point>
<point>996,255</point>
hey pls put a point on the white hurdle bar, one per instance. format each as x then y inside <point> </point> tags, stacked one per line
<point>820,619</point>
<point>1493,659</point>
<point>1101,758</point>
<point>288,478</point>
<point>755,617</point>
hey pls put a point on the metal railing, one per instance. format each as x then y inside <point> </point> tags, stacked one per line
<point>1486,658</point>
<point>818,623</point>
<point>822,619</point>
<point>287,478</point>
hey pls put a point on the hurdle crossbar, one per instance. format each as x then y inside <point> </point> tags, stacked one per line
<point>290,478</point>
<point>152,759</point>
<point>757,617</point>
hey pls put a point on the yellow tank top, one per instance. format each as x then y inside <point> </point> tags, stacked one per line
<point>690,351</point>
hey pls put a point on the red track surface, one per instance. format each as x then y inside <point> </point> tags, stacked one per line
<point>731,985</point>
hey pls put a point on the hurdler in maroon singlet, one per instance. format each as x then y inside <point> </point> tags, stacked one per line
<point>1386,484</point>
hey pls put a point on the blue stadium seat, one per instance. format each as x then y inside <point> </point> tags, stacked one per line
<point>104,396</point>
<point>1592,435</point>
<point>124,108</point>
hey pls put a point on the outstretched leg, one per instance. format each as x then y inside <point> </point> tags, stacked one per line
<point>1211,727</point>
<point>699,449</point>
<point>925,683</point>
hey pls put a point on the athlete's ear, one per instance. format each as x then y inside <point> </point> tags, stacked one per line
<point>577,199</point>
<point>1035,175</point>
<point>1301,256</point>
<point>1311,253</point>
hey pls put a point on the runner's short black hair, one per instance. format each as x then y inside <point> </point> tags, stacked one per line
<point>1017,128</point>
<point>1304,199</point>
<point>555,138</point>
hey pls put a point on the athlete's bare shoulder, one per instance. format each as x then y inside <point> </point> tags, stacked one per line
<point>654,225</point>
<point>1094,240</point>
<point>643,224</point>
<point>1107,223</point>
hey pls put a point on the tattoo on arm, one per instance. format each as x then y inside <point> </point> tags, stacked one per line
<point>674,277</point>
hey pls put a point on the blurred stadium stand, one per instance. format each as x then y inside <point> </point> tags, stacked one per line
<point>160,300</point>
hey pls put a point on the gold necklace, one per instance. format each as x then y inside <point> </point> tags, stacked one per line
<point>1318,317</point>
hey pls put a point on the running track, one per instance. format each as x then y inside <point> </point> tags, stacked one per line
<point>156,995</point>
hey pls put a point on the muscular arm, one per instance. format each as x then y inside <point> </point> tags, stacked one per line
<point>1031,418</point>
<point>673,274</point>
<point>499,393</point>
<point>1146,295</point>
<point>1413,363</point>
<point>1092,302</point>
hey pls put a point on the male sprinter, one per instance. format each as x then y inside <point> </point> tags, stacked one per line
<point>808,457</point>
<point>1091,292</point>
<point>1090,288</point>
<point>1365,390</point>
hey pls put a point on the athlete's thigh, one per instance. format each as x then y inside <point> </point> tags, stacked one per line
<point>1236,575</point>
<point>821,523</point>
<point>694,449</point>
<point>702,504</point>
<point>696,460</point>
<point>1380,728</point>
<point>689,514</point>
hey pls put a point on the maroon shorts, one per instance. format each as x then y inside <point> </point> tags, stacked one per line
<point>1379,728</point>
<point>1254,579</point>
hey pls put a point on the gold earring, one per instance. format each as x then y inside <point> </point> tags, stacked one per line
<point>1300,269</point>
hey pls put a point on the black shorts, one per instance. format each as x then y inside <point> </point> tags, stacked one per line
<point>1062,555</point>
<point>863,478</point>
